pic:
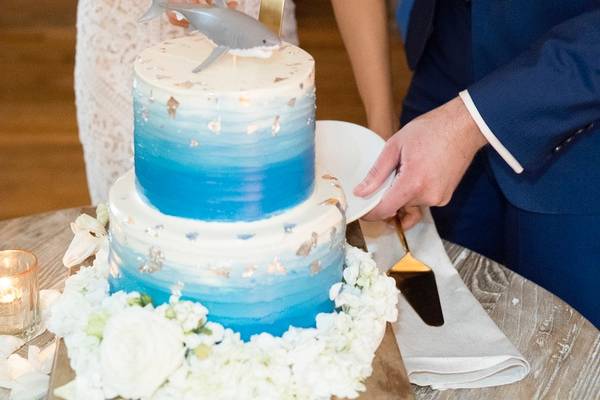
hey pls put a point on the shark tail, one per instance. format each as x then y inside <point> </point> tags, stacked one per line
<point>155,10</point>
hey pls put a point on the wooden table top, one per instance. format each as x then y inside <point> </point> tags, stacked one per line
<point>562,347</point>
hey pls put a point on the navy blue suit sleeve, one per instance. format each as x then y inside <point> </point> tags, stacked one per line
<point>546,95</point>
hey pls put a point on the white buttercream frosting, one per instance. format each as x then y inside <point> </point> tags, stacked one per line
<point>167,67</point>
<point>189,242</point>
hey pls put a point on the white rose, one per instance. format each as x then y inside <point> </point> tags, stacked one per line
<point>139,351</point>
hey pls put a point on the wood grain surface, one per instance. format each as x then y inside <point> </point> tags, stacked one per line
<point>562,347</point>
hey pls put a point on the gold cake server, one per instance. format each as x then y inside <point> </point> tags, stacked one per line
<point>416,282</point>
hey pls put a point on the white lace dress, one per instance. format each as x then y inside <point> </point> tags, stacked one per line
<point>108,41</point>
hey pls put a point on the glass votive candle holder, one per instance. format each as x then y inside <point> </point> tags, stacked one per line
<point>19,294</point>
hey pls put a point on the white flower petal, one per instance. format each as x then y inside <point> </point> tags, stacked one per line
<point>334,291</point>
<point>82,246</point>
<point>8,344</point>
<point>32,385</point>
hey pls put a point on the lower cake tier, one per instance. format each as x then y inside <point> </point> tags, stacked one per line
<point>253,277</point>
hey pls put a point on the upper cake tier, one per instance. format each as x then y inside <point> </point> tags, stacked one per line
<point>233,142</point>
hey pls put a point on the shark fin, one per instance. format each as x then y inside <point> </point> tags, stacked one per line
<point>156,9</point>
<point>217,53</point>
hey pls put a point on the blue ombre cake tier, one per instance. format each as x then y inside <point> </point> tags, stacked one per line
<point>253,277</point>
<point>232,143</point>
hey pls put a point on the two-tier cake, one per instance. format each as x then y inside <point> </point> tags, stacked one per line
<point>225,206</point>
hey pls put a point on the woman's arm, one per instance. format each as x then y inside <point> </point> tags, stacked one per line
<point>363,26</point>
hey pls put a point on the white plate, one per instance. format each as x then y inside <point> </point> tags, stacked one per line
<point>347,151</point>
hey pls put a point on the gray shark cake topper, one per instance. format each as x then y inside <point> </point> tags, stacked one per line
<point>231,30</point>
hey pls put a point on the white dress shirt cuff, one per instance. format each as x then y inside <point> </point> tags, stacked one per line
<point>487,133</point>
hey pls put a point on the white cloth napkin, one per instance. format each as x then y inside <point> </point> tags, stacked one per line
<point>468,351</point>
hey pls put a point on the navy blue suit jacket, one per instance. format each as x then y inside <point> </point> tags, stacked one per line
<point>536,74</point>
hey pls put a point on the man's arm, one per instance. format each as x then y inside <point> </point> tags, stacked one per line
<point>530,107</point>
<point>363,26</point>
<point>543,98</point>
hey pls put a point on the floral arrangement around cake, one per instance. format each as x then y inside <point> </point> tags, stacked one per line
<point>121,346</point>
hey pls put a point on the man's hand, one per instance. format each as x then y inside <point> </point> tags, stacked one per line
<point>431,154</point>
<point>182,22</point>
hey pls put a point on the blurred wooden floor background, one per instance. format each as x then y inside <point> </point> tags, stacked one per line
<point>41,160</point>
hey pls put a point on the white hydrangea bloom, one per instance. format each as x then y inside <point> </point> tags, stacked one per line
<point>332,359</point>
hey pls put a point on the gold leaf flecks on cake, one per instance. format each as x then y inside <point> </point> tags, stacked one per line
<point>251,129</point>
<point>301,85</point>
<point>291,102</point>
<point>172,105</point>
<point>249,271</point>
<point>185,85</point>
<point>306,247</point>
<point>223,272</point>
<point>329,177</point>
<point>335,202</point>
<point>244,101</point>
<point>154,262</point>
<point>289,228</point>
<point>276,268</point>
<point>315,267</point>
<point>276,127</point>
<point>215,126</point>
<point>278,79</point>
<point>194,143</point>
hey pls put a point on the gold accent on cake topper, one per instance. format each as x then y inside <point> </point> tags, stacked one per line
<point>172,105</point>
<point>271,14</point>
<point>306,247</point>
